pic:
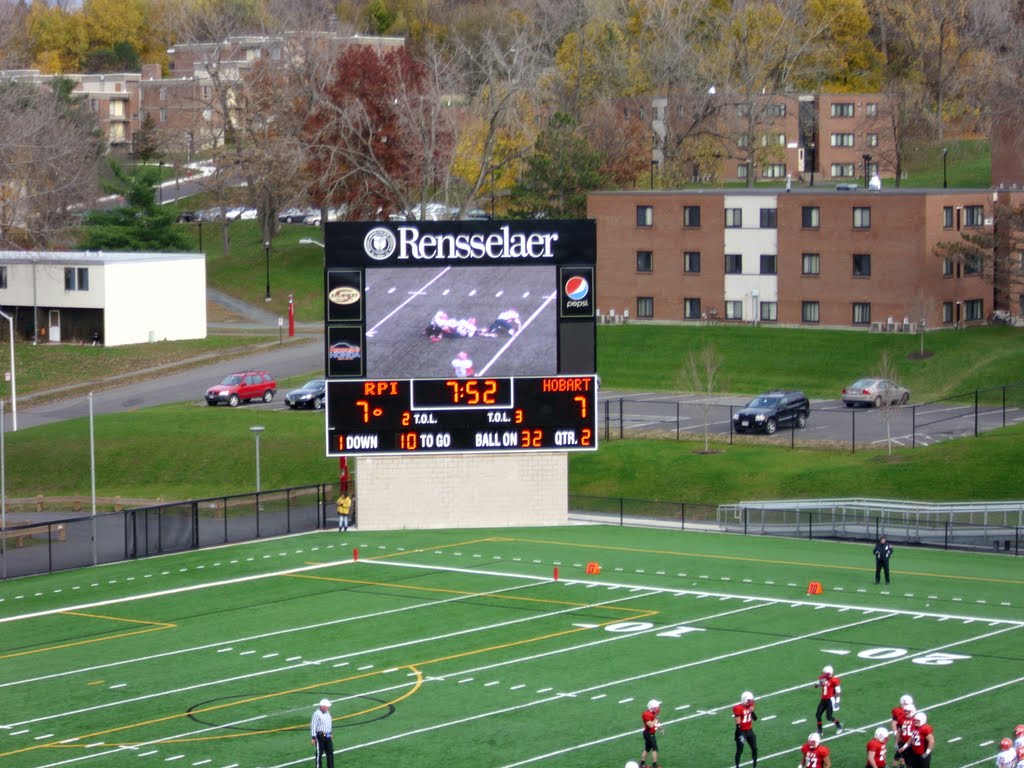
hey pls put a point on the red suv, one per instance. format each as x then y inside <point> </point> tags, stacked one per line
<point>244,385</point>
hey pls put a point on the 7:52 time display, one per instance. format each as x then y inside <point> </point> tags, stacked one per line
<point>500,414</point>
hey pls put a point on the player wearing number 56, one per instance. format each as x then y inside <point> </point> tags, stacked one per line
<point>651,728</point>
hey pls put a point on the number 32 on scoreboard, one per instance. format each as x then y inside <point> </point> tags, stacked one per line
<point>531,438</point>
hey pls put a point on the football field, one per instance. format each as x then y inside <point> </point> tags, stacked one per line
<point>498,648</point>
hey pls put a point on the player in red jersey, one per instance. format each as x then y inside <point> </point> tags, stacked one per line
<point>922,742</point>
<point>829,703</point>
<point>876,749</point>
<point>1018,734</point>
<point>814,754</point>
<point>745,716</point>
<point>900,715</point>
<point>651,728</point>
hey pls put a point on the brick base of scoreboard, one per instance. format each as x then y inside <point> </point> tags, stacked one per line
<point>462,491</point>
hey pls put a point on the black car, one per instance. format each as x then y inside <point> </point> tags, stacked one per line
<point>767,412</point>
<point>309,395</point>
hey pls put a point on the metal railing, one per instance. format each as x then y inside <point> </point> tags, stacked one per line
<point>985,527</point>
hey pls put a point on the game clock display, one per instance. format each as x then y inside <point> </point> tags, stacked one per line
<point>461,415</point>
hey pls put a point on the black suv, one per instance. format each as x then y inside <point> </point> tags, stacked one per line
<point>767,412</point>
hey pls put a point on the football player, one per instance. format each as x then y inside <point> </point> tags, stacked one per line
<point>904,735</point>
<point>814,754</point>
<point>876,749</point>
<point>1018,734</point>
<point>899,716</point>
<point>744,715</point>
<point>829,703</point>
<point>922,742</point>
<point>651,728</point>
<point>1007,757</point>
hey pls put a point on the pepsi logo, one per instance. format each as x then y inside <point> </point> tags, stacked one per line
<point>577,288</point>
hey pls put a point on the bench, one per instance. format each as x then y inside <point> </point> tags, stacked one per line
<point>19,534</point>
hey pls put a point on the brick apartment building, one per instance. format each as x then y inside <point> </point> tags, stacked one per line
<point>812,256</point>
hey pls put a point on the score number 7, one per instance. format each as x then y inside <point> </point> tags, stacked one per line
<point>581,400</point>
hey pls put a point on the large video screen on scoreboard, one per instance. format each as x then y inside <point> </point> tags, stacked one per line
<point>458,300</point>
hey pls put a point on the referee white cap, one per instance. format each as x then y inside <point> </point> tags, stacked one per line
<point>325,703</point>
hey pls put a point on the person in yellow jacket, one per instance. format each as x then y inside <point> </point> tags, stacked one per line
<point>344,505</point>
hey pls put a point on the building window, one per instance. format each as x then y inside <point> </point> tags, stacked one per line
<point>742,170</point>
<point>691,215</point>
<point>691,309</point>
<point>645,306</point>
<point>76,279</point>
<point>733,263</point>
<point>842,109</point>
<point>644,261</point>
<point>773,140</point>
<point>691,261</point>
<point>768,264</point>
<point>974,215</point>
<point>872,169</point>
<point>842,139</point>
<point>163,115</point>
<point>776,110</point>
<point>733,218</point>
<point>734,310</point>
<point>862,265</point>
<point>810,264</point>
<point>972,265</point>
<point>769,311</point>
<point>3,278</point>
<point>644,216</point>
<point>947,217</point>
<point>861,313</point>
<point>947,312</point>
<point>843,170</point>
<point>809,311</point>
<point>205,92</point>
<point>871,109</point>
<point>861,218</point>
<point>810,217</point>
<point>769,218</point>
<point>871,139</point>
<point>947,267</point>
<point>775,171</point>
<point>163,94</point>
<point>743,141</point>
<point>742,110</point>
<point>973,310</point>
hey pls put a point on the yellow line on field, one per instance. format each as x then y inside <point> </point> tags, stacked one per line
<point>150,626</point>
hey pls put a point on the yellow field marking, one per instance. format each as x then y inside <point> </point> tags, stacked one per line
<point>471,542</point>
<point>97,682</point>
<point>737,558</point>
<point>462,592</point>
<point>150,626</point>
<point>213,708</point>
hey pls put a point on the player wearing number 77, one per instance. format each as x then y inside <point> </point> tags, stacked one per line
<point>814,754</point>
<point>651,728</point>
<point>829,703</point>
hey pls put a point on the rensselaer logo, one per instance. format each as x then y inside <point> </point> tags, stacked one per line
<point>379,243</point>
<point>502,244</point>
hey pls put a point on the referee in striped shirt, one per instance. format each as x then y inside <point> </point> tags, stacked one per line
<point>320,732</point>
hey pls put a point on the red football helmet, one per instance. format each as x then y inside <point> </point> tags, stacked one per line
<point>1005,744</point>
<point>1019,730</point>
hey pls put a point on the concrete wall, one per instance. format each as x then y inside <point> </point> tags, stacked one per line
<point>475,491</point>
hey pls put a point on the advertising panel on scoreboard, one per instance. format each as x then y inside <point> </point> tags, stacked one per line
<point>460,300</point>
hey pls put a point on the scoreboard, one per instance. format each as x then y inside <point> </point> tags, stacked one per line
<point>460,337</point>
<point>404,416</point>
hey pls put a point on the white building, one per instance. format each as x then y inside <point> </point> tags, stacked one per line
<point>117,298</point>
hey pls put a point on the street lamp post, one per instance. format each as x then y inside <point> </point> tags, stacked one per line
<point>14,378</point>
<point>867,166</point>
<point>266,250</point>
<point>160,182</point>
<point>944,151</point>
<point>257,430</point>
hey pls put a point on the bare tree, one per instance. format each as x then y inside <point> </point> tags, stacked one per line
<point>700,374</point>
<point>921,307</point>
<point>889,404</point>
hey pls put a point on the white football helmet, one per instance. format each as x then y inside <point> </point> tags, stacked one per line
<point>827,671</point>
<point>632,764</point>
<point>814,739</point>
<point>906,700</point>
<point>920,718</point>
<point>653,704</point>
<point>909,710</point>
<point>881,734</point>
<point>746,696</point>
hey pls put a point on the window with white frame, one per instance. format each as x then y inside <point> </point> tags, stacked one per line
<point>743,141</point>
<point>842,139</point>
<point>76,278</point>
<point>810,217</point>
<point>691,261</point>
<point>947,267</point>
<point>776,110</point>
<point>733,218</point>
<point>871,109</point>
<point>769,311</point>
<point>769,218</point>
<point>842,109</point>
<point>733,264</point>
<point>974,215</point>
<point>871,139</point>
<point>974,309</point>
<point>947,312</point>
<point>773,140</point>
<point>645,306</point>
<point>809,312</point>
<point>861,217</point>
<point>843,170</point>
<point>691,215</point>
<point>742,170</point>
<point>691,309</point>
<point>774,170</point>
<point>644,215</point>
<point>734,310</point>
<point>861,313</point>
<point>810,264</point>
<point>947,217</point>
